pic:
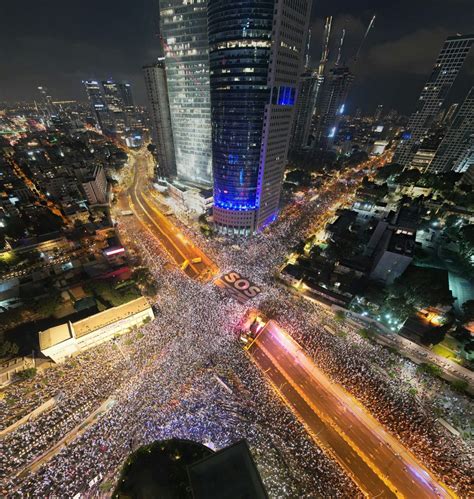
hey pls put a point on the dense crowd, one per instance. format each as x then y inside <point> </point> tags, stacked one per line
<point>184,375</point>
<point>164,380</point>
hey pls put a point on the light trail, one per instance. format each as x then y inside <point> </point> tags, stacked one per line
<point>378,450</point>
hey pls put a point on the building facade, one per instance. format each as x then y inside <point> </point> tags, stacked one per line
<point>95,186</point>
<point>308,88</point>
<point>455,149</point>
<point>334,92</point>
<point>183,27</point>
<point>67,340</point>
<point>256,56</point>
<point>159,106</point>
<point>433,95</point>
<point>111,103</point>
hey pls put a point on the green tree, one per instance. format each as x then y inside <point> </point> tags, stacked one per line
<point>29,373</point>
<point>340,316</point>
<point>48,304</point>
<point>421,287</point>
<point>389,170</point>
<point>8,349</point>
<point>408,177</point>
<point>468,310</point>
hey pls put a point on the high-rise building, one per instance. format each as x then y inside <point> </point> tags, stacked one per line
<point>433,95</point>
<point>256,53</point>
<point>308,87</point>
<point>334,93</point>
<point>378,113</point>
<point>49,108</point>
<point>459,140</point>
<point>184,31</point>
<point>111,102</point>
<point>97,100</point>
<point>125,90</point>
<point>159,106</point>
<point>309,93</point>
<point>113,96</point>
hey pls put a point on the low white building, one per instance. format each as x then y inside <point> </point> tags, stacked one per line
<point>67,340</point>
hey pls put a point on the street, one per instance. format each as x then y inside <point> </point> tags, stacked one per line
<point>177,246</point>
<point>378,463</point>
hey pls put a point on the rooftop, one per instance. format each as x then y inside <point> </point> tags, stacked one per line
<point>109,316</point>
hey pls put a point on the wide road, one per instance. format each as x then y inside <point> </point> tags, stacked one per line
<point>378,463</point>
<point>138,199</point>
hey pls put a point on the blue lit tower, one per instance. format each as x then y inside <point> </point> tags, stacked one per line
<point>256,52</point>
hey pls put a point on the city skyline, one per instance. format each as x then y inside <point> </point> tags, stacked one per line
<point>88,51</point>
<point>258,281</point>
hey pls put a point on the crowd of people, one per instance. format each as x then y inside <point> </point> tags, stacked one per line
<point>184,375</point>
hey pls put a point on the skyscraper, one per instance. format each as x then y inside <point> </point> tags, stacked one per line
<point>378,113</point>
<point>111,102</point>
<point>433,95</point>
<point>49,109</point>
<point>308,86</point>
<point>334,93</point>
<point>256,52</point>
<point>157,92</point>
<point>184,31</point>
<point>309,93</point>
<point>459,140</point>
<point>97,101</point>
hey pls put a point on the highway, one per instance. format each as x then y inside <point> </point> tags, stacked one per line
<point>378,463</point>
<point>180,249</point>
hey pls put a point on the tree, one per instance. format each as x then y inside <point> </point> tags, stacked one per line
<point>299,177</point>
<point>29,373</point>
<point>468,310</point>
<point>340,316</point>
<point>466,241</point>
<point>48,304</point>
<point>8,349</point>
<point>420,287</point>
<point>408,177</point>
<point>388,171</point>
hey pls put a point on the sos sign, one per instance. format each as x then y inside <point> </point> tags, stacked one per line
<point>238,287</point>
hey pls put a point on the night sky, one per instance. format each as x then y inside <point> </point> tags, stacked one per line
<point>58,43</point>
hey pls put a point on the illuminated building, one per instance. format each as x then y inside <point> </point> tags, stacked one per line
<point>184,30</point>
<point>456,148</point>
<point>157,92</point>
<point>334,93</point>
<point>433,95</point>
<point>47,103</point>
<point>111,102</point>
<point>95,186</point>
<point>378,113</point>
<point>98,104</point>
<point>256,53</point>
<point>66,340</point>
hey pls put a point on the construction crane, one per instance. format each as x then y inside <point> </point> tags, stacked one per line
<point>367,31</point>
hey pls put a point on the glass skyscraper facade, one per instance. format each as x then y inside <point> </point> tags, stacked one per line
<point>239,54</point>
<point>256,53</point>
<point>434,93</point>
<point>184,31</point>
